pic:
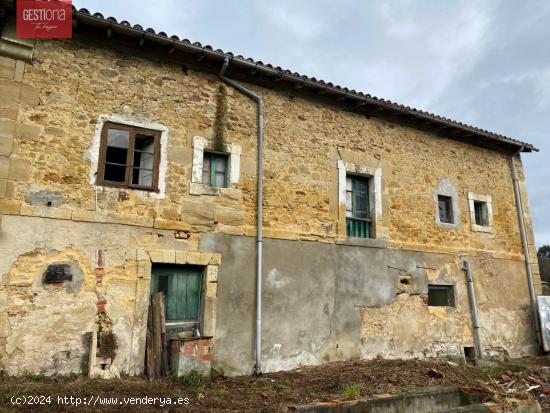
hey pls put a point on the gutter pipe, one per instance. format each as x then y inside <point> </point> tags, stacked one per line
<point>473,308</point>
<point>523,233</point>
<point>259,233</point>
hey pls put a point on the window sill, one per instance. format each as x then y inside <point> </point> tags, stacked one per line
<point>481,228</point>
<point>201,189</point>
<point>447,225</point>
<point>363,242</point>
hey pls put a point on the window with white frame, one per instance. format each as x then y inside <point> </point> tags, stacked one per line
<point>481,212</point>
<point>214,170</point>
<point>360,189</point>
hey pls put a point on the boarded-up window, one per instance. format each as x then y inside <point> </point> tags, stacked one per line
<point>129,157</point>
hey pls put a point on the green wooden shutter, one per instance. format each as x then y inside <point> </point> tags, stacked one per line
<point>182,287</point>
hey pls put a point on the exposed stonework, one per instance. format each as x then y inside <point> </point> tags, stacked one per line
<point>51,211</point>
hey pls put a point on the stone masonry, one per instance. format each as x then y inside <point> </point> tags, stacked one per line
<point>51,211</point>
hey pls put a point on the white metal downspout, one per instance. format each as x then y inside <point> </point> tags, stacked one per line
<point>259,237</point>
<point>523,233</point>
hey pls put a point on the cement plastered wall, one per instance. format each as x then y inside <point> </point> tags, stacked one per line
<point>324,302</point>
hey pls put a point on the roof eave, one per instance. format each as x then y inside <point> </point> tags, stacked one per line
<point>173,43</point>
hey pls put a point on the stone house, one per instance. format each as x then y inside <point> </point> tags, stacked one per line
<point>128,166</point>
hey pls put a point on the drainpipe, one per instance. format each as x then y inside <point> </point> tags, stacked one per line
<point>523,233</point>
<point>259,238</point>
<point>473,308</point>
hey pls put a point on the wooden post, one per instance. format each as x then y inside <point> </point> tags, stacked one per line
<point>157,352</point>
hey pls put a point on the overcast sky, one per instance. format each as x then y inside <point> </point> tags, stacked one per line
<point>485,63</point>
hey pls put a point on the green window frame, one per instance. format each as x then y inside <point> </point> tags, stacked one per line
<point>182,288</point>
<point>358,206</point>
<point>215,167</point>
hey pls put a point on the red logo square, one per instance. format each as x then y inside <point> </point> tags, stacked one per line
<point>44,19</point>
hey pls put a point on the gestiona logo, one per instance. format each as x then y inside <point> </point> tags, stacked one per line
<point>44,19</point>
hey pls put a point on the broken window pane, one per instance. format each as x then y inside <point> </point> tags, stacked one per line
<point>441,295</point>
<point>116,155</point>
<point>445,205</point>
<point>144,159</point>
<point>129,156</point>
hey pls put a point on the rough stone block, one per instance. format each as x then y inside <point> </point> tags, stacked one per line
<point>6,145</point>
<point>173,225</point>
<point>3,186</point>
<point>19,71</point>
<point>4,324</point>
<point>197,211</point>
<point>29,95</point>
<point>212,273</point>
<point>20,169</point>
<point>163,256</point>
<point>10,90</point>
<point>9,207</point>
<point>27,132</point>
<point>198,258</point>
<point>211,289</point>
<point>8,110</point>
<point>229,216</point>
<point>7,68</point>
<point>7,128</point>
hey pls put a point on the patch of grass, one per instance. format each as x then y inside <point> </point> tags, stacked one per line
<point>194,379</point>
<point>351,392</point>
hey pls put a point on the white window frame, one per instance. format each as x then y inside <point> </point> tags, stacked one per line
<point>446,188</point>
<point>92,155</point>
<point>233,150</point>
<point>488,200</point>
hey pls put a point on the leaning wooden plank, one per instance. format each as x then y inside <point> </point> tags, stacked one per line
<point>164,344</point>
<point>149,369</point>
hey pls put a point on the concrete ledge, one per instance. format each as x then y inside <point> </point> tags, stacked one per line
<point>363,242</point>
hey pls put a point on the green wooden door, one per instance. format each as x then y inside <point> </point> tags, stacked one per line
<point>182,285</point>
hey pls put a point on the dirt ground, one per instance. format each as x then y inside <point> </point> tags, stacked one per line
<point>276,392</point>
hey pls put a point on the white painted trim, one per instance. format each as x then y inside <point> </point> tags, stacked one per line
<point>472,197</point>
<point>92,154</point>
<point>200,144</point>
<point>342,182</point>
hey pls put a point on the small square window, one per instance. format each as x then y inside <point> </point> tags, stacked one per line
<point>445,205</point>
<point>129,157</point>
<point>481,214</point>
<point>214,169</point>
<point>441,295</point>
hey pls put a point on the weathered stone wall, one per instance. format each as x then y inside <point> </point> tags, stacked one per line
<point>52,211</point>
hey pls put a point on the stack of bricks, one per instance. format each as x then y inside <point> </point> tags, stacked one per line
<point>188,354</point>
